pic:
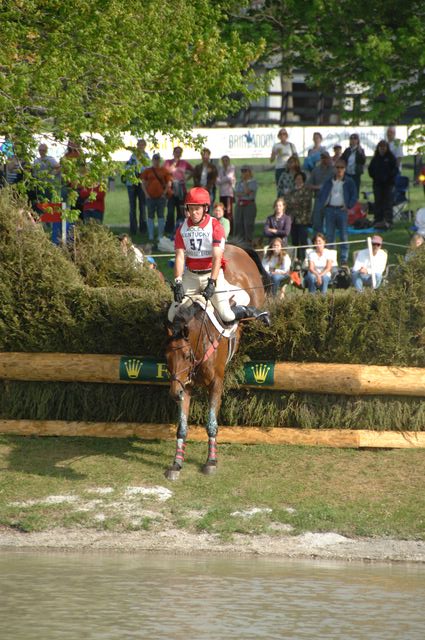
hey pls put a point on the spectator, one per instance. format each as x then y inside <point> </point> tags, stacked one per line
<point>395,145</point>
<point>281,152</point>
<point>383,171</point>
<point>336,196</point>
<point>298,204</point>
<point>180,171</point>
<point>72,166</point>
<point>14,170</point>
<point>93,202</point>
<point>45,170</point>
<point>219,214</point>
<point>278,225</point>
<point>416,242</point>
<point>420,221</point>
<point>337,149</point>
<point>205,174</point>
<point>286,180</point>
<point>319,266</point>
<point>322,172</point>
<point>355,159</point>
<point>136,164</point>
<point>246,208</point>
<point>277,263</point>
<point>156,183</point>
<point>313,154</point>
<point>226,181</point>
<point>366,264</point>
<point>134,253</point>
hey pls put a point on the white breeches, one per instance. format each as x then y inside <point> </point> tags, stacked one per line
<point>194,283</point>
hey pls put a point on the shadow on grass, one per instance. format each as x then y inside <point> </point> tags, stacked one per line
<point>54,456</point>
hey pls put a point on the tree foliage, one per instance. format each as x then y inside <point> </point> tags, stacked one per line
<point>103,67</point>
<point>370,47</point>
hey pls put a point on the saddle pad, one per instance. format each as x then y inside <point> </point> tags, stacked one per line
<point>226,332</point>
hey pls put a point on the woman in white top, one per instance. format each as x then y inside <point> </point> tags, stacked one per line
<point>281,152</point>
<point>319,266</point>
<point>277,263</point>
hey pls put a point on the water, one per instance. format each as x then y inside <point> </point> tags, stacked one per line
<point>102,596</point>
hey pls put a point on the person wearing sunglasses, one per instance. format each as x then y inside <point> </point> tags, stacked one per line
<point>336,196</point>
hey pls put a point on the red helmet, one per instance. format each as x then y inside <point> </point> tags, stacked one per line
<point>197,195</point>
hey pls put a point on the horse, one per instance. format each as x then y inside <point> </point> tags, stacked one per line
<point>197,353</point>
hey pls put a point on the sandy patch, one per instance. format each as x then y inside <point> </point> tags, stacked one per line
<point>309,545</point>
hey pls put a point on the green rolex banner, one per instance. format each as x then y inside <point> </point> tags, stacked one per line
<point>146,369</point>
<point>259,373</point>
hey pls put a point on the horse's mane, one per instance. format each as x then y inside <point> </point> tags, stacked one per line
<point>182,318</point>
<point>265,277</point>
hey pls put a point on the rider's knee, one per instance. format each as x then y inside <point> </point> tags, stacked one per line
<point>226,314</point>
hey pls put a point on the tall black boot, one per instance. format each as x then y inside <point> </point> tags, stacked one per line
<point>241,312</point>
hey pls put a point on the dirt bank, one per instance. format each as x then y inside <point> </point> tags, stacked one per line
<point>309,545</point>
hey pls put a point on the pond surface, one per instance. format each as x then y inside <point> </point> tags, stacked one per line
<point>99,596</point>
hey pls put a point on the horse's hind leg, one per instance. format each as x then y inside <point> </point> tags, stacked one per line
<point>173,472</point>
<point>216,389</point>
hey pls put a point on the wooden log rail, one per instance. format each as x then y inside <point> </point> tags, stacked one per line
<point>337,438</point>
<point>346,379</point>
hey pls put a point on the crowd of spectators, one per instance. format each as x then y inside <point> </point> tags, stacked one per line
<point>317,196</point>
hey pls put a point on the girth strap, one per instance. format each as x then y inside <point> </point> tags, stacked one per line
<point>211,349</point>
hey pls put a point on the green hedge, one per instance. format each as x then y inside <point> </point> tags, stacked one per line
<point>91,298</point>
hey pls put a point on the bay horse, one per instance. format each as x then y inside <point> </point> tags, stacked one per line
<point>197,353</point>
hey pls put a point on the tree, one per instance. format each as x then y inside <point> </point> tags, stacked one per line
<point>103,67</point>
<point>373,48</point>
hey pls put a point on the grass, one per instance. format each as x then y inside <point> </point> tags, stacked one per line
<point>117,209</point>
<point>354,493</point>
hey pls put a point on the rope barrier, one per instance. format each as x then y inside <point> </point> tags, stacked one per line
<point>295,247</point>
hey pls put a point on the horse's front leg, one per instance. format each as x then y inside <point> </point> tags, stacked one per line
<point>215,393</point>
<point>173,472</point>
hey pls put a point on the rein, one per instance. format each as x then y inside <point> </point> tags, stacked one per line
<point>194,363</point>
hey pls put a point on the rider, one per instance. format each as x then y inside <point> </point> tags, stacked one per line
<point>201,239</point>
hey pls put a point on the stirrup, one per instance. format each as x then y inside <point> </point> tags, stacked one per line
<point>264,317</point>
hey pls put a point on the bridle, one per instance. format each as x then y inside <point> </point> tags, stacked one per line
<point>194,362</point>
<point>174,376</point>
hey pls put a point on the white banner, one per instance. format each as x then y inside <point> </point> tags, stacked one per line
<point>253,142</point>
<point>257,142</point>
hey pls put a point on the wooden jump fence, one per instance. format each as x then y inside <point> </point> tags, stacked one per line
<point>344,379</point>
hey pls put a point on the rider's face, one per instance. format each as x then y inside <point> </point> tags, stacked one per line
<point>196,212</point>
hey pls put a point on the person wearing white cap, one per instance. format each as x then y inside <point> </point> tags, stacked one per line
<point>365,264</point>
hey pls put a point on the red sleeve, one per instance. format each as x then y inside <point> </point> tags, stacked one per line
<point>218,233</point>
<point>178,240</point>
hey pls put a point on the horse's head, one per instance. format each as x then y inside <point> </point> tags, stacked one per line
<point>180,356</point>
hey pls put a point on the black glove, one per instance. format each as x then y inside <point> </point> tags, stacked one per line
<point>178,292</point>
<point>209,290</point>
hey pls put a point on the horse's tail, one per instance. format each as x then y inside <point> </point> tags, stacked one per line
<point>265,276</point>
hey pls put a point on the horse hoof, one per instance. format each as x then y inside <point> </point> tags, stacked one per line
<point>209,469</point>
<point>172,473</point>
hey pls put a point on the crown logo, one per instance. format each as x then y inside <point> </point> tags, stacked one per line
<point>133,368</point>
<point>260,372</point>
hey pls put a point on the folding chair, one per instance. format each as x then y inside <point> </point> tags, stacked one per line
<point>401,199</point>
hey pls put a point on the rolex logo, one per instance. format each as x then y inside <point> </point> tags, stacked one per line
<point>133,368</point>
<point>260,372</point>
